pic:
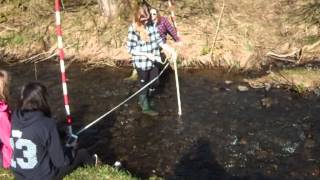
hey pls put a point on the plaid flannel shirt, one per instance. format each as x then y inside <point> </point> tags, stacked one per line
<point>165,27</point>
<point>135,44</point>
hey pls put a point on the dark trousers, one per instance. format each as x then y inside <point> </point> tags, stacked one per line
<point>146,76</point>
<point>82,157</point>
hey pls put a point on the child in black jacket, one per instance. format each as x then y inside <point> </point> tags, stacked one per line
<point>37,151</point>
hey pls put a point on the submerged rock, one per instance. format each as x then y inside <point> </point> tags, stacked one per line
<point>267,86</point>
<point>234,140</point>
<point>290,147</point>
<point>310,143</point>
<point>317,91</point>
<point>243,141</point>
<point>266,102</point>
<point>242,88</point>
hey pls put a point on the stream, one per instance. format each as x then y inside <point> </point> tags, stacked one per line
<point>222,134</point>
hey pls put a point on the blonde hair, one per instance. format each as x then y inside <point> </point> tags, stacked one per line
<point>138,25</point>
<point>4,85</point>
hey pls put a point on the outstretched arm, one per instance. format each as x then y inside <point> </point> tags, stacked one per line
<point>171,30</point>
<point>55,150</point>
<point>165,46</point>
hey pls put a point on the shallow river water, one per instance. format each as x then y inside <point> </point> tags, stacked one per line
<point>222,134</point>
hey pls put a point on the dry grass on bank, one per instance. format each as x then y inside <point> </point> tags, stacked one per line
<point>248,30</point>
<point>300,79</point>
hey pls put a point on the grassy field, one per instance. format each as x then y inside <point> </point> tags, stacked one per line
<point>100,173</point>
<point>5,175</point>
<point>103,172</point>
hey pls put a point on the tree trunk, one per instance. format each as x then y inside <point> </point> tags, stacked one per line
<point>108,7</point>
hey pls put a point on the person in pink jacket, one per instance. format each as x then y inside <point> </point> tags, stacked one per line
<point>5,122</point>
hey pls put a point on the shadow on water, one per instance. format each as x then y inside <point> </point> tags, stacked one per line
<point>222,134</point>
<point>200,163</point>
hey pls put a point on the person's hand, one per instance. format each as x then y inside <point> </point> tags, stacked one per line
<point>72,141</point>
<point>174,55</point>
<point>179,43</point>
<point>171,51</point>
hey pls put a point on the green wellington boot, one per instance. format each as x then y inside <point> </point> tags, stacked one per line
<point>145,106</point>
<point>133,76</point>
<point>151,93</point>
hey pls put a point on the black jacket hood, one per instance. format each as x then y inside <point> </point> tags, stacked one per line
<point>26,118</point>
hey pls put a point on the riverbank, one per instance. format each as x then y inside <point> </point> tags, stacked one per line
<point>299,79</point>
<point>246,34</point>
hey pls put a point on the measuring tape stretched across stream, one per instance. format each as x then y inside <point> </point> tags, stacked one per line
<point>130,97</point>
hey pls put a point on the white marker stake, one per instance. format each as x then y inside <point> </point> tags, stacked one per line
<point>177,86</point>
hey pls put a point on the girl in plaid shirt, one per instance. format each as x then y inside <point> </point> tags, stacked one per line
<point>164,26</point>
<point>144,44</point>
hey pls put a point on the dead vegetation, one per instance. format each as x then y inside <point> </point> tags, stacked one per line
<point>241,37</point>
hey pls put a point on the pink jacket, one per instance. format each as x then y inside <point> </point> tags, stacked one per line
<point>5,132</point>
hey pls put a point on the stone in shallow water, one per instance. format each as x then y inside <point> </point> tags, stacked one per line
<point>317,91</point>
<point>234,140</point>
<point>243,141</point>
<point>290,147</point>
<point>310,143</point>
<point>242,88</point>
<point>266,102</point>
<point>262,154</point>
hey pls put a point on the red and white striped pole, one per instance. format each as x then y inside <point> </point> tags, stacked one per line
<point>62,67</point>
<point>173,17</point>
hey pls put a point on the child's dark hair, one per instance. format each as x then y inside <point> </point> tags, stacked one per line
<point>33,97</point>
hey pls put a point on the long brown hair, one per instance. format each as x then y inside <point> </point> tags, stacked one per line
<point>33,97</point>
<point>4,85</point>
<point>140,16</point>
<point>158,14</point>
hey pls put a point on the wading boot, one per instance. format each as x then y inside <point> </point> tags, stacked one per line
<point>145,106</point>
<point>133,76</point>
<point>151,94</point>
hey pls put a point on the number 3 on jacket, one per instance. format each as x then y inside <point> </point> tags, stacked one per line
<point>28,148</point>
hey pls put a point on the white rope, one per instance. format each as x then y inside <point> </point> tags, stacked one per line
<point>116,107</point>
